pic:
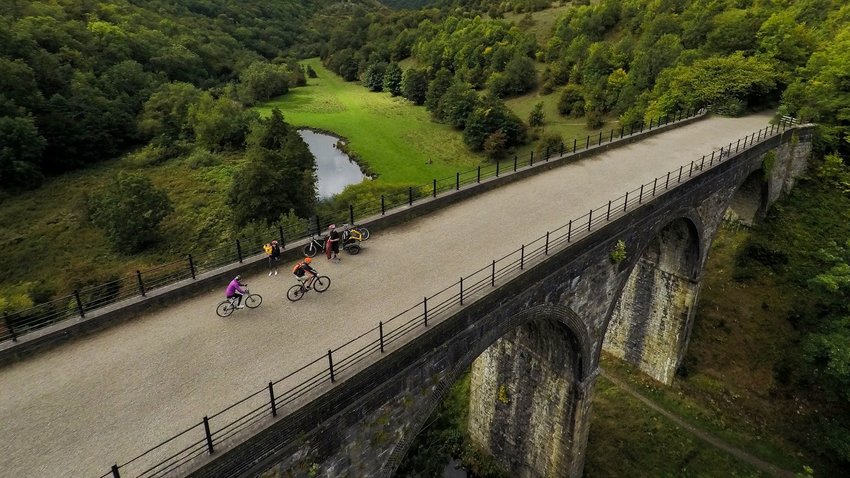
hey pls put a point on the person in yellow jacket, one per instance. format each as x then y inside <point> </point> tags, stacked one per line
<point>273,251</point>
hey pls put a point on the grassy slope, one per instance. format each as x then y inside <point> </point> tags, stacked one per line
<point>626,436</point>
<point>394,137</point>
<point>47,239</point>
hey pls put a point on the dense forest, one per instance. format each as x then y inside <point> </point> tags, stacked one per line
<point>83,82</point>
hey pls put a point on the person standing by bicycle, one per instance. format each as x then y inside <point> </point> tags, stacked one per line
<point>273,250</point>
<point>234,289</point>
<point>333,241</point>
<point>302,269</point>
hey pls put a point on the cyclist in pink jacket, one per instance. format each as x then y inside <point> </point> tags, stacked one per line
<point>235,289</point>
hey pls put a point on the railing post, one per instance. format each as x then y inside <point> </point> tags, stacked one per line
<point>622,130</point>
<point>589,218</point>
<point>626,202</point>
<point>654,186</point>
<point>493,275</point>
<point>737,145</point>
<point>461,290</point>
<point>425,310</point>
<point>282,239</point>
<point>650,123</point>
<point>641,128</point>
<point>191,266</point>
<point>272,400</point>
<point>521,257</point>
<point>570,230</point>
<point>712,157</point>
<point>209,435</point>
<point>457,181</point>
<point>351,214</point>
<point>239,250</point>
<point>608,214</point>
<point>640,198</point>
<point>702,165</point>
<point>140,283</point>
<point>479,174</point>
<point>115,473</point>
<point>79,304</point>
<point>611,139</point>
<point>599,141</point>
<point>758,138</point>
<point>562,149</point>
<point>667,185</point>
<point>546,249</point>
<point>331,365</point>
<point>318,226</point>
<point>587,142</point>
<point>497,168</point>
<point>515,163</point>
<point>531,159</point>
<point>9,326</point>
<point>547,153</point>
<point>381,335</point>
<point>574,144</point>
<point>410,196</point>
<point>681,168</point>
<point>383,208</point>
<point>435,187</point>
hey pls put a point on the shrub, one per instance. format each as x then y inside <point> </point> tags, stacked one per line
<point>129,211</point>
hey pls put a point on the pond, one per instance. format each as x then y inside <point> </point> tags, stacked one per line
<point>334,169</point>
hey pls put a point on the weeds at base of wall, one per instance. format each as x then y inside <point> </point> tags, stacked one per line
<point>618,254</point>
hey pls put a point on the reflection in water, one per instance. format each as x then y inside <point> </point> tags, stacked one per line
<point>334,169</point>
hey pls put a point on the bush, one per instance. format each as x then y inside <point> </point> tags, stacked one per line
<point>551,142</point>
<point>129,211</point>
<point>594,120</point>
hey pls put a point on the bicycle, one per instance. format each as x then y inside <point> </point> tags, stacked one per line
<point>358,233</point>
<point>315,246</point>
<point>319,284</point>
<point>227,306</point>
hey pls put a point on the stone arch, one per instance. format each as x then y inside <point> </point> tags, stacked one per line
<point>749,201</point>
<point>567,330</point>
<point>651,321</point>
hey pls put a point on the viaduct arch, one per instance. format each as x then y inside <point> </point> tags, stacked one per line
<point>533,341</point>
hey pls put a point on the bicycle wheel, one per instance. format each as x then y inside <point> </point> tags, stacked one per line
<point>225,308</point>
<point>310,250</point>
<point>295,292</point>
<point>363,232</point>
<point>253,301</point>
<point>321,283</point>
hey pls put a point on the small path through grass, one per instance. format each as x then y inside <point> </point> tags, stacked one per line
<point>702,435</point>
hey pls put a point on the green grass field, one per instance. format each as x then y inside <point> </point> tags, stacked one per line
<point>396,139</point>
<point>543,22</point>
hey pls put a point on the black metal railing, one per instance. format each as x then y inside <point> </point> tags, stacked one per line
<point>212,431</point>
<point>140,283</point>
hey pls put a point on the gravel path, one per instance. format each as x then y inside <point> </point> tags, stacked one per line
<point>75,410</point>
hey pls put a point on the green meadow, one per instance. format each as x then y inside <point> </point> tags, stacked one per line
<point>396,140</point>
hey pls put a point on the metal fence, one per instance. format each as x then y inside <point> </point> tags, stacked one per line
<point>210,433</point>
<point>87,299</point>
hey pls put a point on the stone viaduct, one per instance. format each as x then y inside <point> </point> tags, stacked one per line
<point>533,341</point>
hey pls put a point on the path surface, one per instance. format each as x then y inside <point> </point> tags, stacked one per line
<point>704,436</point>
<point>77,409</point>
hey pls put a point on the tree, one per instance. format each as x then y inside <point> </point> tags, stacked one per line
<point>490,116</point>
<point>536,116</point>
<point>21,147</point>
<point>219,123</point>
<point>392,79</point>
<point>495,145</point>
<point>414,85</point>
<point>166,112</point>
<point>261,81</point>
<point>129,211</point>
<point>571,102</point>
<point>519,77</point>
<point>373,77</point>
<point>436,89</point>
<point>457,103</point>
<point>278,174</point>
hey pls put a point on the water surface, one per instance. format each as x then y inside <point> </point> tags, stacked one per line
<point>334,169</point>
